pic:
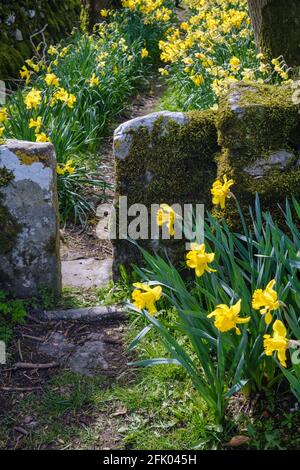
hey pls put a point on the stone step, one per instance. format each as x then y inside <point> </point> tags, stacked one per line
<point>89,314</point>
<point>86,273</point>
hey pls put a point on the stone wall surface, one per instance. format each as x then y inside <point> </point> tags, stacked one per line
<point>29,236</point>
<point>164,157</point>
<point>21,19</point>
<point>254,138</point>
<point>259,133</point>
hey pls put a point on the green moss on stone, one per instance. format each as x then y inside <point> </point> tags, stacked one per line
<point>273,188</point>
<point>256,115</point>
<point>61,18</point>
<point>172,164</point>
<point>171,159</point>
<point>263,121</point>
<point>5,177</point>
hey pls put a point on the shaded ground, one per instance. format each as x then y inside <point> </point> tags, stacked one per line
<point>55,370</point>
<point>64,348</point>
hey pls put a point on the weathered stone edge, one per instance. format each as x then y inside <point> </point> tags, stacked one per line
<point>90,314</point>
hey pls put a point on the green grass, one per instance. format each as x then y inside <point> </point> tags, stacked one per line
<point>151,408</point>
<point>169,101</point>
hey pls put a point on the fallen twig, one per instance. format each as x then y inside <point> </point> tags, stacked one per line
<point>36,338</point>
<point>21,430</point>
<point>20,389</point>
<point>20,350</point>
<point>30,365</point>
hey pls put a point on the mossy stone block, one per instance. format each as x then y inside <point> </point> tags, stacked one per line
<point>254,116</point>
<point>168,158</point>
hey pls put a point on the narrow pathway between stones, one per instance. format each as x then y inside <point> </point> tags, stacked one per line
<point>87,255</point>
<point>85,342</point>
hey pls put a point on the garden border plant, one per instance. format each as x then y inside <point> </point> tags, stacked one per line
<point>247,283</point>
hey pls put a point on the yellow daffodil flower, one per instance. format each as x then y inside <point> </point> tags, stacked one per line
<point>104,12</point>
<point>52,50</point>
<point>3,114</point>
<point>69,167</point>
<point>51,79</point>
<point>24,73</point>
<point>260,56</point>
<point>34,66</point>
<point>144,53</point>
<point>197,79</point>
<point>277,343</point>
<point>41,137</point>
<point>60,170</point>
<point>37,124</point>
<point>235,63</point>
<point>221,192</point>
<point>166,215</point>
<point>94,81</point>
<point>71,100</point>
<point>62,95</point>
<point>268,299</point>
<point>199,260</point>
<point>163,72</point>
<point>145,297</point>
<point>227,318</point>
<point>33,98</point>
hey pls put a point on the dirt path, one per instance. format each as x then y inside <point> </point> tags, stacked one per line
<point>86,255</point>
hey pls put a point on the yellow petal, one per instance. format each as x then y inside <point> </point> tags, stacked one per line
<point>236,308</point>
<point>268,318</point>
<point>279,328</point>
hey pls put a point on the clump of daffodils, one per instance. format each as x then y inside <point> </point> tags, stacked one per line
<point>33,98</point>
<point>152,11</point>
<point>67,168</point>
<point>213,48</point>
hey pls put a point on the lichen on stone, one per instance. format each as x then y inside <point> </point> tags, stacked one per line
<point>26,159</point>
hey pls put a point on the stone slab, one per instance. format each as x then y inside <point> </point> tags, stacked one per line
<point>90,314</point>
<point>86,273</point>
<point>29,236</point>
